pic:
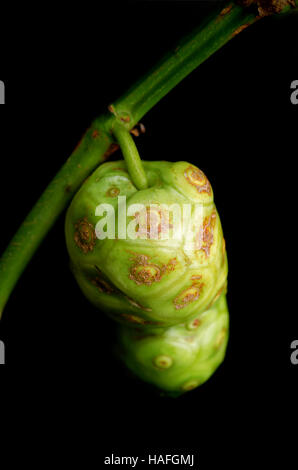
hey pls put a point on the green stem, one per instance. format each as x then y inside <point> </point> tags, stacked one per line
<point>94,148</point>
<point>98,142</point>
<point>131,156</point>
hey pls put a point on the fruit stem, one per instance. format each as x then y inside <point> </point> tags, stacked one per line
<point>131,156</point>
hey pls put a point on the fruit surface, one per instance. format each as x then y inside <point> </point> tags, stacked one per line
<point>182,357</point>
<point>144,280</point>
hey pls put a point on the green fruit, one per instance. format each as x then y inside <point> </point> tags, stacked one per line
<point>144,281</point>
<point>178,358</point>
<point>159,269</point>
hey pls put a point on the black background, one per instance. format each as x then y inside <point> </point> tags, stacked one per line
<point>233,118</point>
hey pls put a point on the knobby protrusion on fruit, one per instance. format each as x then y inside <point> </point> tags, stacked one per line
<point>113,192</point>
<point>193,324</point>
<point>163,362</point>
<point>190,385</point>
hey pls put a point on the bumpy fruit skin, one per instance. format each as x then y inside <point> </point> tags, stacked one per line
<point>182,357</point>
<point>147,282</point>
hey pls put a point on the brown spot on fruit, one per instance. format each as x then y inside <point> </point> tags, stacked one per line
<point>119,169</point>
<point>188,295</point>
<point>144,272</point>
<point>102,285</point>
<point>220,338</point>
<point>84,236</point>
<point>137,305</point>
<point>204,237</point>
<point>133,318</point>
<point>194,324</point>
<point>223,246</point>
<point>171,266</point>
<point>190,385</point>
<point>113,192</point>
<point>153,224</point>
<point>163,362</point>
<point>138,320</point>
<point>196,277</point>
<point>197,179</point>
